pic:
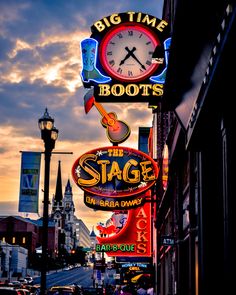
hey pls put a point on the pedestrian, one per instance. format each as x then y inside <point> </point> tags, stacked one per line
<point>126,290</point>
<point>141,290</point>
<point>150,290</point>
<point>109,290</point>
<point>117,290</point>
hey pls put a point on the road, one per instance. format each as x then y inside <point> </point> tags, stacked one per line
<point>80,276</point>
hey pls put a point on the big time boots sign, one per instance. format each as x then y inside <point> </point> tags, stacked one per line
<point>118,58</point>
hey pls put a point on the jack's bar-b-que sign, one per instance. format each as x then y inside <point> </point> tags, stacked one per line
<point>132,240</point>
<point>115,171</point>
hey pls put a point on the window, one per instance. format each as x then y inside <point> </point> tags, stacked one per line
<point>23,240</point>
<point>13,240</point>
<point>4,239</point>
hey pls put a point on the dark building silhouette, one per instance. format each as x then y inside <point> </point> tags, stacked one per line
<point>63,213</point>
<point>195,118</point>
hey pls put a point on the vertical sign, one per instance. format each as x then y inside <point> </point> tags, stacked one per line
<point>134,239</point>
<point>29,182</point>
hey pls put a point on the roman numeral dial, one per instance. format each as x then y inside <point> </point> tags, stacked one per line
<point>126,52</point>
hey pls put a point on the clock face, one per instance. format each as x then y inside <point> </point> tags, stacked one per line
<point>126,52</point>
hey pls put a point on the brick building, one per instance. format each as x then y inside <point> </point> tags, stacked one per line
<point>27,233</point>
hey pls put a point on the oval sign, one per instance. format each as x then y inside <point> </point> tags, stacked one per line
<point>115,171</point>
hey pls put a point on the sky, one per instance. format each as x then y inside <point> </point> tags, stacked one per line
<point>40,67</point>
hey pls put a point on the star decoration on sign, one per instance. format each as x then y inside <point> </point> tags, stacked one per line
<point>99,153</point>
<point>99,188</point>
<point>142,184</point>
<point>78,171</point>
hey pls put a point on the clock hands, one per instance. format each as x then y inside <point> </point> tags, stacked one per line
<point>134,57</point>
<point>127,55</point>
<point>131,53</point>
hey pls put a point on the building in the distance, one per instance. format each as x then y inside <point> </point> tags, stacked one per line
<point>72,230</point>
<point>63,214</point>
<point>16,230</point>
<point>82,234</point>
<point>13,260</point>
<point>93,239</point>
<point>27,233</point>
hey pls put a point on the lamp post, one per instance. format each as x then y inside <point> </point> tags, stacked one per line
<point>49,135</point>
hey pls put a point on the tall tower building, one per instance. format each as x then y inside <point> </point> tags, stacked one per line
<point>63,213</point>
<point>93,239</point>
<point>57,213</point>
<point>69,209</point>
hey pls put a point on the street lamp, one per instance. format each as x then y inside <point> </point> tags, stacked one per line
<point>49,135</point>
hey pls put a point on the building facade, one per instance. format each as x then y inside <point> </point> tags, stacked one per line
<point>27,233</point>
<point>195,218</point>
<point>63,214</point>
<point>82,234</point>
<point>13,260</point>
<point>16,230</point>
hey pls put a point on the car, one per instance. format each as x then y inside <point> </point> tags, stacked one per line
<point>65,290</point>
<point>93,291</point>
<point>23,291</point>
<point>35,289</point>
<point>29,280</point>
<point>13,291</point>
<point>23,281</point>
<point>16,284</point>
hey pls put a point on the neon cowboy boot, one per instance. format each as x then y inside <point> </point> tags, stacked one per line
<point>162,76</point>
<point>89,48</point>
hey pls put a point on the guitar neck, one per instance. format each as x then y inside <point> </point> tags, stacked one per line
<point>101,110</point>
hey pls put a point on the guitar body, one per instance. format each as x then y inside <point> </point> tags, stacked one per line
<point>117,131</point>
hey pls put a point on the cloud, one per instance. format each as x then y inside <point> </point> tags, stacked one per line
<point>40,67</point>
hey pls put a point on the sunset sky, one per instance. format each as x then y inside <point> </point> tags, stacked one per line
<point>40,67</point>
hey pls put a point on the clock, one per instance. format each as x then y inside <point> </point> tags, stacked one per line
<point>126,52</point>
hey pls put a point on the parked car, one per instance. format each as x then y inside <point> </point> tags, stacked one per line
<point>93,291</point>
<point>65,290</point>
<point>23,281</point>
<point>16,284</point>
<point>35,289</point>
<point>13,291</point>
<point>29,280</point>
<point>23,292</point>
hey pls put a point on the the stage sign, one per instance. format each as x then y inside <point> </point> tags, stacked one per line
<point>115,172</point>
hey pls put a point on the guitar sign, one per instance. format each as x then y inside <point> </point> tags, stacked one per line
<point>117,131</point>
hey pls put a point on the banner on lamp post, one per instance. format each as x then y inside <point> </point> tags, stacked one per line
<point>29,182</point>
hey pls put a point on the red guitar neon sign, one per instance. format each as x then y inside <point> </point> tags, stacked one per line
<point>117,131</point>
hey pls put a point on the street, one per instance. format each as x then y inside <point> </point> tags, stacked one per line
<point>80,276</point>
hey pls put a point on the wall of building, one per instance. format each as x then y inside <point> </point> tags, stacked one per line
<point>196,208</point>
